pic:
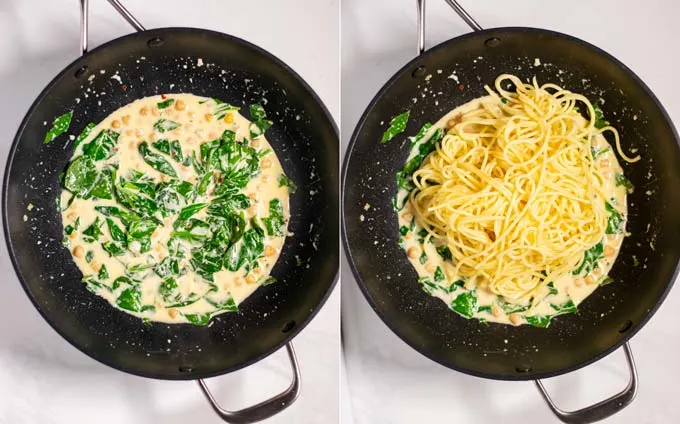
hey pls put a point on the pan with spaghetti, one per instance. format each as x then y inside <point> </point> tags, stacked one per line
<point>545,259</point>
<point>518,212</point>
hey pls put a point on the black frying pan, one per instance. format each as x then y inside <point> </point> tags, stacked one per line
<point>305,140</point>
<point>644,270</point>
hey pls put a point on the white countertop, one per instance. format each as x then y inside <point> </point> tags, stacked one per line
<point>391,383</point>
<point>43,379</point>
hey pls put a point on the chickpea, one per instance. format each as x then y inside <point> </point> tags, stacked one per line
<point>269,251</point>
<point>407,216</point>
<point>191,115</point>
<point>429,267</point>
<point>596,272</point>
<point>250,279</point>
<point>229,118</point>
<point>413,252</point>
<point>155,111</point>
<point>73,235</point>
<point>265,178</point>
<point>172,313</point>
<point>579,282</point>
<point>129,133</point>
<point>115,123</point>
<point>238,281</point>
<point>408,236</point>
<point>208,117</point>
<point>152,137</point>
<point>255,143</point>
<point>251,196</point>
<point>78,251</point>
<point>125,119</point>
<point>256,271</point>
<point>496,310</point>
<point>609,251</point>
<point>144,111</point>
<point>516,319</point>
<point>96,266</point>
<point>139,132</point>
<point>266,163</point>
<point>590,280</point>
<point>71,215</point>
<point>179,105</point>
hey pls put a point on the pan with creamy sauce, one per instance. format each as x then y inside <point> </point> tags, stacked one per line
<point>175,207</point>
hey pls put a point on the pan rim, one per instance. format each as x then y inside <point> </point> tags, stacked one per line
<point>354,140</point>
<point>10,159</point>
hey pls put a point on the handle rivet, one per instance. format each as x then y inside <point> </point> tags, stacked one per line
<point>418,72</point>
<point>493,42</point>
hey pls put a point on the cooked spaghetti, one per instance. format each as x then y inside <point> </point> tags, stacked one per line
<point>518,191</point>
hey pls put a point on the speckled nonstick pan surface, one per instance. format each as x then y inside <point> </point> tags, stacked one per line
<point>454,73</point>
<point>166,61</point>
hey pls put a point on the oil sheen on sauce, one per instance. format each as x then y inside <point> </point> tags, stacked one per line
<point>200,120</point>
<point>566,289</point>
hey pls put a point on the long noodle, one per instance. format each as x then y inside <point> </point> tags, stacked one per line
<point>513,188</point>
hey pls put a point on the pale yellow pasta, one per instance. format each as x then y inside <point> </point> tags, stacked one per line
<point>513,189</point>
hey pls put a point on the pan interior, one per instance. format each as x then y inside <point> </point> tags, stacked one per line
<point>176,60</point>
<point>448,76</point>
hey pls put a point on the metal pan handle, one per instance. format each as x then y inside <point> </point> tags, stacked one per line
<point>456,7</point>
<point>85,17</point>
<point>600,410</point>
<point>263,409</point>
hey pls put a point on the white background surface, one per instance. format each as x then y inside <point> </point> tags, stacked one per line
<point>43,379</point>
<point>391,383</point>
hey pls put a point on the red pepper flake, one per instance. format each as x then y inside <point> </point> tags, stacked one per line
<point>163,96</point>
<point>461,86</point>
<point>124,87</point>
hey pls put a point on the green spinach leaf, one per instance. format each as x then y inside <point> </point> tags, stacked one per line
<point>615,220</point>
<point>59,126</point>
<point>287,182</point>
<point>274,222</point>
<point>163,125</point>
<point>198,319</point>
<point>130,299</point>
<point>101,147</point>
<point>465,304</point>
<point>81,175</point>
<point>540,321</point>
<point>397,126</point>
<point>171,148</point>
<point>621,180</point>
<point>83,135</point>
<point>590,259</point>
<point>156,161</point>
<point>165,103</point>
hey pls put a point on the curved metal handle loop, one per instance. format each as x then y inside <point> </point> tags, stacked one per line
<point>263,409</point>
<point>456,7</point>
<point>600,410</point>
<point>85,17</point>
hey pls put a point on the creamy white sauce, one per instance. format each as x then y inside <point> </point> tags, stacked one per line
<point>568,287</point>
<point>198,123</point>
